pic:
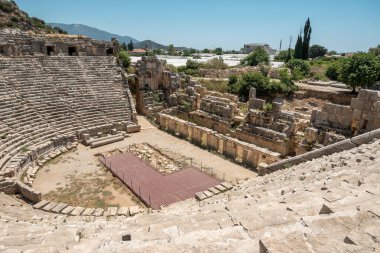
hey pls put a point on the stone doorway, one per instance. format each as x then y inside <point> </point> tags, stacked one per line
<point>50,50</point>
<point>72,51</point>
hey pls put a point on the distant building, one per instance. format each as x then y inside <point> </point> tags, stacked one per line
<point>248,48</point>
<point>137,51</point>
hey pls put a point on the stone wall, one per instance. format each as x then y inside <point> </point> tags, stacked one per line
<point>222,107</point>
<point>327,150</point>
<point>332,115</point>
<point>17,43</point>
<point>29,193</point>
<point>225,73</point>
<point>239,151</point>
<point>362,115</point>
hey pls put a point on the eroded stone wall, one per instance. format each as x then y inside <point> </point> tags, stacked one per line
<point>240,151</point>
<point>17,43</point>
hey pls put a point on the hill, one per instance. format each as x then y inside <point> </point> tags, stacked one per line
<point>12,17</point>
<point>150,45</point>
<point>92,32</point>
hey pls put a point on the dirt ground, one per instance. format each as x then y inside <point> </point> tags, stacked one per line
<point>78,178</point>
<point>305,106</point>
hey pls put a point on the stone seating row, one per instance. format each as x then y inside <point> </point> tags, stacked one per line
<point>63,208</point>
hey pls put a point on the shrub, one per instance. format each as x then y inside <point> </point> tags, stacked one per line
<point>233,86</point>
<point>7,7</point>
<point>232,79</point>
<point>332,71</point>
<point>360,70</point>
<point>171,68</point>
<point>258,55</point>
<point>283,55</point>
<point>215,63</point>
<point>123,56</point>
<point>299,68</point>
<point>264,69</point>
<point>268,107</point>
<point>215,85</point>
<point>253,79</point>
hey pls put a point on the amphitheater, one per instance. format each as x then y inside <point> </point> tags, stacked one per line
<point>200,174</point>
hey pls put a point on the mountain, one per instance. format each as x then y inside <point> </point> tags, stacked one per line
<point>150,45</point>
<point>92,32</point>
<point>12,17</point>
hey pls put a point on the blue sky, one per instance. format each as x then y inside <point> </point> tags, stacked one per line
<point>341,25</point>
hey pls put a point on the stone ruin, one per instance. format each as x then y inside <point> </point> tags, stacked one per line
<point>18,43</point>
<point>337,122</point>
<point>49,103</point>
<point>154,85</point>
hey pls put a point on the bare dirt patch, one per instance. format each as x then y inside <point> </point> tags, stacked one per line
<point>78,178</point>
<point>305,106</point>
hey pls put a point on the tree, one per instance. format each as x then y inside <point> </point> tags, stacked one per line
<point>171,50</point>
<point>130,46</point>
<point>253,79</point>
<point>375,50</point>
<point>206,51</point>
<point>123,46</point>
<point>218,51</point>
<point>298,48</point>
<point>360,70</point>
<point>306,40</point>
<point>333,70</point>
<point>258,55</point>
<point>332,53</point>
<point>289,56</point>
<point>123,56</point>
<point>283,55</point>
<point>186,52</point>
<point>317,51</point>
<point>299,68</point>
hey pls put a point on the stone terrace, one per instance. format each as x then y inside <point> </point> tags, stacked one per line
<point>330,204</point>
<point>52,98</point>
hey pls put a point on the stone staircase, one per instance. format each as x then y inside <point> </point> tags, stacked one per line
<point>45,101</point>
<point>330,204</point>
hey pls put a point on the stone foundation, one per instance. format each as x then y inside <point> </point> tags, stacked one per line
<point>239,151</point>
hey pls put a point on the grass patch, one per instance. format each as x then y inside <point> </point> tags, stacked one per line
<point>106,193</point>
<point>215,85</point>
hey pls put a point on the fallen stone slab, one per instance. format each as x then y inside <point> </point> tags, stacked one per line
<point>98,212</point>
<point>133,210</point>
<point>208,194</point>
<point>214,190</point>
<point>325,210</point>
<point>200,196</point>
<point>221,188</point>
<point>227,185</point>
<point>123,211</point>
<point>88,211</point>
<point>77,211</point>
<point>67,209</point>
<point>58,208</point>
<point>49,206</point>
<point>111,211</point>
<point>40,204</point>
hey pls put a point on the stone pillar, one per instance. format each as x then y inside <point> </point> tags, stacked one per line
<point>262,169</point>
<point>252,92</point>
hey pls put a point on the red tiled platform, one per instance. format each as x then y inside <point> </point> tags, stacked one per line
<point>154,188</point>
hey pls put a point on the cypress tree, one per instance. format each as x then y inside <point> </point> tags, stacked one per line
<point>306,40</point>
<point>298,48</point>
<point>289,56</point>
<point>130,46</point>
